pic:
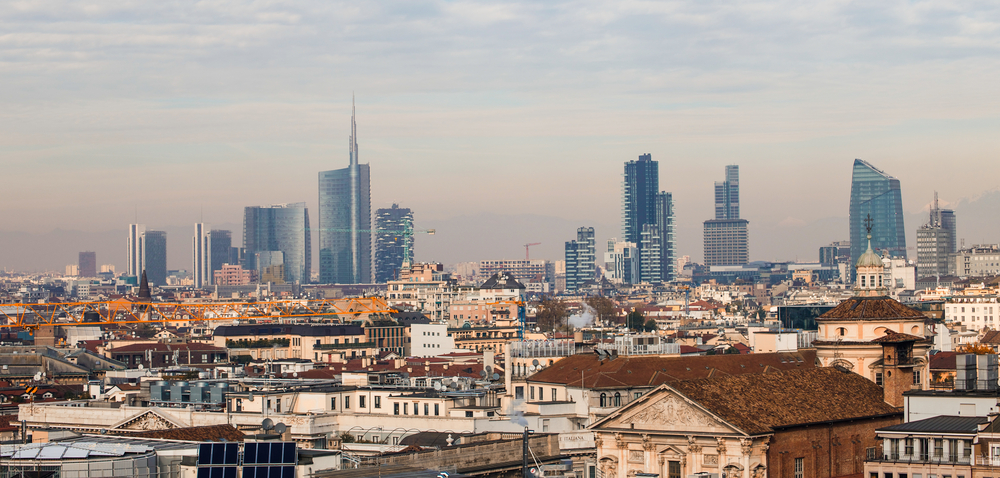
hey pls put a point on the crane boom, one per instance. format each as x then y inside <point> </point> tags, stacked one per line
<point>33,316</point>
<point>526,246</point>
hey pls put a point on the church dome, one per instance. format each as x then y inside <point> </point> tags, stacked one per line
<point>869,259</point>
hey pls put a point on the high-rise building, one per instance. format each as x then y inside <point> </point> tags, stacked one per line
<point>936,242</point>
<point>876,194</point>
<point>644,204</point>
<point>345,220</point>
<point>390,241</point>
<point>134,253</point>
<point>88,264</point>
<point>580,259</point>
<point>621,262</point>
<point>281,227</point>
<point>220,251</point>
<point>201,267</point>
<point>727,237</point>
<point>154,248</point>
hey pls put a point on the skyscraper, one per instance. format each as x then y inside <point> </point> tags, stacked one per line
<point>644,205</point>
<point>220,251</point>
<point>133,244</point>
<point>201,264</point>
<point>935,242</point>
<point>345,220</point>
<point>580,259</point>
<point>281,227</point>
<point>875,193</point>
<point>390,223</point>
<point>154,248</point>
<point>726,238</point>
<point>87,264</point>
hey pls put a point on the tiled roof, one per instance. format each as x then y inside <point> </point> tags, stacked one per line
<point>940,424</point>
<point>991,337</point>
<point>206,433</point>
<point>943,361</point>
<point>650,370</point>
<point>761,403</point>
<point>870,308</point>
<point>892,337</point>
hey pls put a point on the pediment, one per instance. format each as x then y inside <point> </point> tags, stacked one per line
<point>146,420</point>
<point>666,410</point>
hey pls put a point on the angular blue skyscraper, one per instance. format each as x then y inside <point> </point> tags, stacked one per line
<point>345,215</point>
<point>875,193</point>
<point>279,228</point>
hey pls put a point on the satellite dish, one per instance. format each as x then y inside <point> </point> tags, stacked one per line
<point>437,386</point>
<point>139,367</point>
<point>280,427</point>
<point>446,381</point>
<point>534,362</point>
<point>489,368</point>
<point>482,373</point>
<point>267,424</point>
<point>531,368</point>
<point>295,374</point>
<point>38,376</point>
<point>496,376</point>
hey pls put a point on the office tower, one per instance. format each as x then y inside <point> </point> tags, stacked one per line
<point>154,248</point>
<point>220,250</point>
<point>936,242</point>
<point>201,264</point>
<point>390,224</point>
<point>726,238</point>
<point>345,220</point>
<point>133,244</point>
<point>621,262</point>
<point>88,264</point>
<point>877,194</point>
<point>580,259</point>
<point>280,227</point>
<point>271,267</point>
<point>828,255</point>
<point>643,204</point>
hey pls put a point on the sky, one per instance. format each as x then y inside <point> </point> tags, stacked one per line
<point>180,112</point>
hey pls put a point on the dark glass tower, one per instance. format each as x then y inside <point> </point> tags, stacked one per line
<point>154,247</point>
<point>283,228</point>
<point>875,193</point>
<point>648,219</point>
<point>345,213</point>
<point>220,245</point>
<point>390,223</point>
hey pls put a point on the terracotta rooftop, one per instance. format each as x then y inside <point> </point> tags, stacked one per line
<point>870,308</point>
<point>892,337</point>
<point>206,433</point>
<point>991,337</point>
<point>943,361</point>
<point>651,370</point>
<point>788,398</point>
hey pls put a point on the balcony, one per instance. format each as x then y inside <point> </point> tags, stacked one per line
<point>924,459</point>
<point>360,345</point>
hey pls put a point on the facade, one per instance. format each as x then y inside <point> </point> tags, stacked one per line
<point>154,251</point>
<point>726,238</point>
<point>939,446</point>
<point>284,228</point>
<point>345,220</point>
<point>936,242</point>
<point>621,262</point>
<point>133,245</point>
<point>431,340</point>
<point>233,274</point>
<point>87,264</point>
<point>876,194</point>
<point>201,266</point>
<point>392,241</point>
<point>977,261</point>
<point>580,259</point>
<point>220,250</point>
<point>648,219</point>
<point>533,270</point>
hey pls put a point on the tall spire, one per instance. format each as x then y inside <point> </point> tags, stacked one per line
<point>353,146</point>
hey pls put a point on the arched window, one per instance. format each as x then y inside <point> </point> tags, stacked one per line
<point>604,399</point>
<point>618,399</point>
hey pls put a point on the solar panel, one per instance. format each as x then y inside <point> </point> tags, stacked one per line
<point>268,472</point>
<point>269,453</point>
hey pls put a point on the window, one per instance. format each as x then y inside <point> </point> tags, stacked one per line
<point>604,399</point>
<point>347,402</point>
<point>416,408</point>
<point>908,446</point>
<point>406,409</point>
<point>938,448</point>
<point>204,358</point>
<point>554,395</point>
<point>378,401</point>
<point>361,401</point>
<point>674,469</point>
<point>545,425</point>
<point>894,449</point>
<point>532,393</point>
<point>618,399</point>
<point>426,407</point>
<point>916,377</point>
<point>800,467</point>
<point>436,408</point>
<point>636,395</point>
<point>541,394</point>
<point>333,403</point>
<point>468,414</point>
<point>395,408</point>
<point>878,378</point>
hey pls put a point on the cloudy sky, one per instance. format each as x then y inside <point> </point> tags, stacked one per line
<point>183,110</point>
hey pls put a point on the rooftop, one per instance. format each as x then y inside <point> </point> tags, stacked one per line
<point>871,308</point>
<point>940,424</point>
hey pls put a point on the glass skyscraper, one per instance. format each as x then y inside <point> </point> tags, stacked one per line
<point>345,240</point>
<point>154,248</point>
<point>581,256</point>
<point>648,219</point>
<point>220,251</point>
<point>389,225</point>
<point>284,228</point>
<point>936,241</point>
<point>727,239</point>
<point>875,193</point>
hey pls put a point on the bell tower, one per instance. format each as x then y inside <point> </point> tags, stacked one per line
<point>870,280</point>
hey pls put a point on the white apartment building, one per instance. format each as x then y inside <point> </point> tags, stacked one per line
<point>979,260</point>
<point>431,340</point>
<point>974,311</point>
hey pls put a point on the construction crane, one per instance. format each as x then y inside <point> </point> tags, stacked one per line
<point>687,299</point>
<point>123,311</point>
<point>526,246</point>
<point>407,234</point>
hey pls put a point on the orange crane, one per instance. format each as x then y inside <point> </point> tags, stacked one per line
<point>123,311</point>
<point>526,246</point>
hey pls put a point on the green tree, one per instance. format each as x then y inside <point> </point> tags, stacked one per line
<point>635,321</point>
<point>603,307</point>
<point>551,314</point>
<point>650,325</point>
<point>145,331</point>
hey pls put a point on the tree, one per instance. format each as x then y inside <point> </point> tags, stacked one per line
<point>650,325</point>
<point>145,331</point>
<point>603,307</point>
<point>551,314</point>
<point>635,321</point>
<point>976,348</point>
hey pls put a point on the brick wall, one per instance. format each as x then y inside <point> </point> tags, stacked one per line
<point>827,450</point>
